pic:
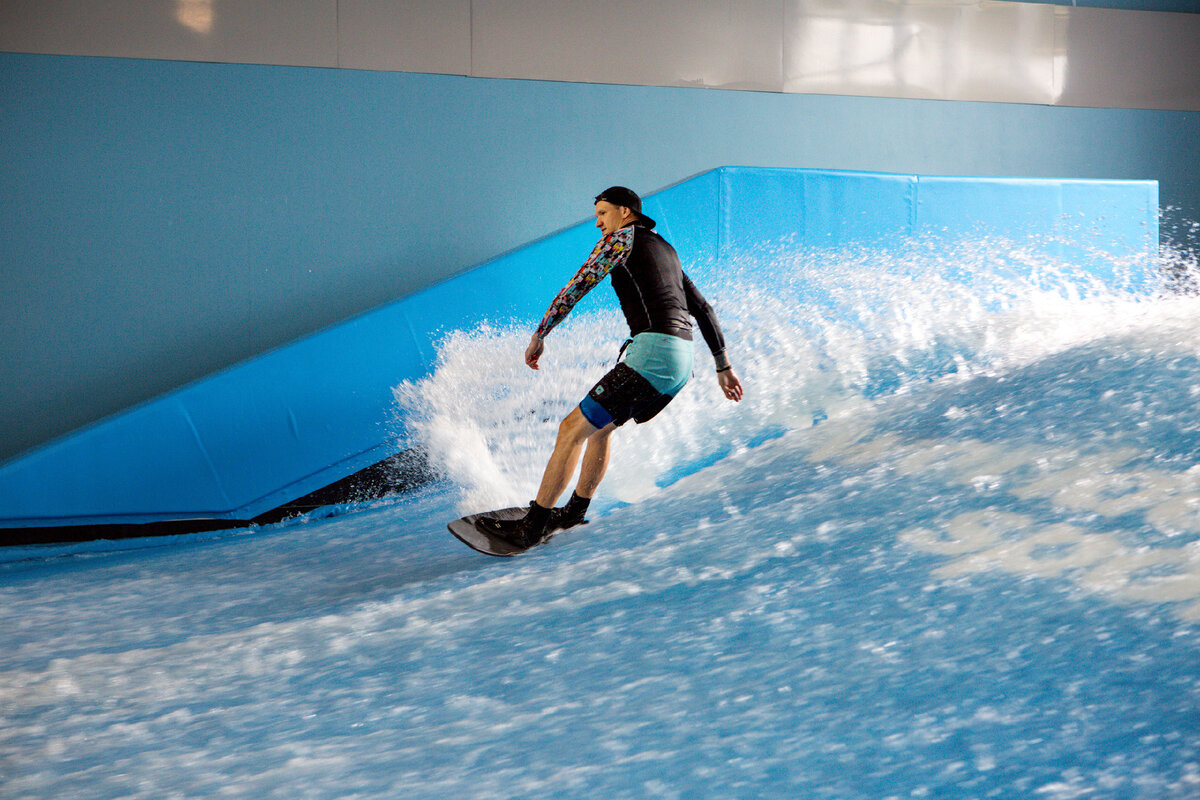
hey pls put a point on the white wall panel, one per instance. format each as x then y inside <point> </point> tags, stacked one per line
<point>979,50</point>
<point>1127,59</point>
<point>405,35</point>
<point>730,44</point>
<point>292,32</point>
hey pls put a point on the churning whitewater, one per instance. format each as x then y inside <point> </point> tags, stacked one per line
<point>948,546</point>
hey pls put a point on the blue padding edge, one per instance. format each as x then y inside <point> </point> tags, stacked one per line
<point>291,421</point>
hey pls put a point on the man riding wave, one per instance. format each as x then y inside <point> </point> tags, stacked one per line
<point>659,302</point>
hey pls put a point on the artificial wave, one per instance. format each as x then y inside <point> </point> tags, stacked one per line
<point>948,546</point>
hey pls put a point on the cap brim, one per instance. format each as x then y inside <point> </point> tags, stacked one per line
<point>648,221</point>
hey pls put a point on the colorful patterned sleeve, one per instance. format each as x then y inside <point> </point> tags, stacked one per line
<point>611,251</point>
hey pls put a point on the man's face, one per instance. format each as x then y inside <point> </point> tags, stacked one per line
<point>610,218</point>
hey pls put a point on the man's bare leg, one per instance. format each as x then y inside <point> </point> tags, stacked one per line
<point>595,462</point>
<point>573,431</point>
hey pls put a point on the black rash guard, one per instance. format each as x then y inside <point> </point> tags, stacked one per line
<point>655,294</point>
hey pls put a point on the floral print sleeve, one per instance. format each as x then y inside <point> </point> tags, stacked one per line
<point>611,251</point>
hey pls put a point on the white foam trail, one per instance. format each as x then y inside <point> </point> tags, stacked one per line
<point>813,334</point>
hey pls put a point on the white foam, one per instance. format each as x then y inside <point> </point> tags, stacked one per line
<point>814,334</point>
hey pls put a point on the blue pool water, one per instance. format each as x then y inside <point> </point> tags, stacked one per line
<point>948,547</point>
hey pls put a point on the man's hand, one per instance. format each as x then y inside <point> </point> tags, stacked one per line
<point>730,384</point>
<point>534,351</point>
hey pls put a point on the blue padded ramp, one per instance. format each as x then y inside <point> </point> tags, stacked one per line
<point>291,421</point>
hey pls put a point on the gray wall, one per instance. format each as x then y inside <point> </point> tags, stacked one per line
<point>164,219</point>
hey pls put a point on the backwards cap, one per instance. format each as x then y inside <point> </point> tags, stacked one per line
<point>620,196</point>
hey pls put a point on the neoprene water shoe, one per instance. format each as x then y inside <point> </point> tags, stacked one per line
<point>528,531</point>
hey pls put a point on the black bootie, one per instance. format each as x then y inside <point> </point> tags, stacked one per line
<point>531,529</point>
<point>570,515</point>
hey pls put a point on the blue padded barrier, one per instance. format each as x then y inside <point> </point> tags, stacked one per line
<point>813,208</point>
<point>291,421</point>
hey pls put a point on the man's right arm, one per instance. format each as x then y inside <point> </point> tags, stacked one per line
<point>611,251</point>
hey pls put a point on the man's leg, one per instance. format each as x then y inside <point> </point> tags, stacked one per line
<point>595,462</point>
<point>573,431</point>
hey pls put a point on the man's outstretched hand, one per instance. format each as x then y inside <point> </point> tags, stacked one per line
<point>534,351</point>
<point>730,385</point>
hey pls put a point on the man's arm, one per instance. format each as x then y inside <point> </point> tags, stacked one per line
<point>611,251</point>
<point>710,329</point>
<point>706,320</point>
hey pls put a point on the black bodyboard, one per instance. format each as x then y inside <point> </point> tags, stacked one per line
<point>465,531</point>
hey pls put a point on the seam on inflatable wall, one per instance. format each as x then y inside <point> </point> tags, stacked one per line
<point>723,217</point>
<point>913,197</point>
<point>208,462</point>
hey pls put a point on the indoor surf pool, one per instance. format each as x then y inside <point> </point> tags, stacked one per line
<point>948,547</point>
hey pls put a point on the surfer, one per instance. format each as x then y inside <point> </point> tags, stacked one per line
<point>658,301</point>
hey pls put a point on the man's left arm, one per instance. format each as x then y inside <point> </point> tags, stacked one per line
<point>710,329</point>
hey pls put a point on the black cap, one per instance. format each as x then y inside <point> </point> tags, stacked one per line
<point>620,196</point>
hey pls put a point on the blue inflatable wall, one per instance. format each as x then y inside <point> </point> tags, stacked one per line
<point>275,428</point>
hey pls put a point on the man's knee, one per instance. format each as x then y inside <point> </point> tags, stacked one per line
<point>575,427</point>
<point>600,436</point>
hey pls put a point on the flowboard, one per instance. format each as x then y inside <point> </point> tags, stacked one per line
<point>465,531</point>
